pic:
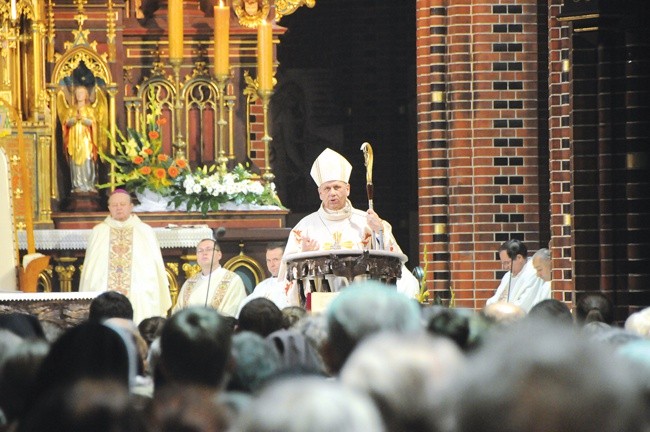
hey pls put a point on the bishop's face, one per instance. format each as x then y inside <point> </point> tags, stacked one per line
<point>120,206</point>
<point>334,194</point>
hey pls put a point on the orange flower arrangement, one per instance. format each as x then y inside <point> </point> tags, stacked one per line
<point>139,161</point>
<point>141,166</point>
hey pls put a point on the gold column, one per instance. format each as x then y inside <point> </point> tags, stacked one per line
<point>220,157</point>
<point>189,265</point>
<point>54,185</point>
<point>44,175</point>
<point>267,176</point>
<point>38,31</point>
<point>179,145</point>
<point>50,32</point>
<point>111,18</point>
<point>230,104</point>
<point>171,268</point>
<point>65,269</point>
<point>138,113</point>
<point>112,91</point>
<point>15,69</point>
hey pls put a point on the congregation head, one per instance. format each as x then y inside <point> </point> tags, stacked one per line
<point>383,309</point>
<point>195,347</point>
<point>537,376</point>
<point>22,325</point>
<point>256,362</point>
<point>87,351</point>
<point>407,376</point>
<point>503,313</point>
<point>317,405</point>
<point>85,405</point>
<point>551,309</point>
<point>150,328</point>
<point>18,374</point>
<point>260,316</point>
<point>594,307</point>
<point>110,304</point>
<point>639,323</point>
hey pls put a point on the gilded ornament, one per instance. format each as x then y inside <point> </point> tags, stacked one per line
<point>251,12</point>
<point>287,7</point>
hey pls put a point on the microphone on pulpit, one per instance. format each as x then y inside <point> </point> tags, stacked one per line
<point>218,233</point>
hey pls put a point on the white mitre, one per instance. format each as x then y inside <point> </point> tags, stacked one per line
<point>329,166</point>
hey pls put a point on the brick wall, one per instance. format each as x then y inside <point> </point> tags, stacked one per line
<point>478,66</point>
<point>534,125</point>
<point>560,155</point>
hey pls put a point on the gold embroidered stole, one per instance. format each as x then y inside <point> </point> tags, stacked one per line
<point>218,295</point>
<point>120,254</point>
<point>221,290</point>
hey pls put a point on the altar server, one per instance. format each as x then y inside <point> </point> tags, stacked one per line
<point>123,255</point>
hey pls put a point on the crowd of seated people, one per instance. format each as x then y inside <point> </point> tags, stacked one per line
<point>399,367</point>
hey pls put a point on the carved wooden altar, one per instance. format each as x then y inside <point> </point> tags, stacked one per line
<point>119,50</point>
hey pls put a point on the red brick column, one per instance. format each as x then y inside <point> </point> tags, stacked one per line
<point>560,163</point>
<point>477,68</point>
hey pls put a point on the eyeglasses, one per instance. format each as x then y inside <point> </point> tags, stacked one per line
<point>206,250</point>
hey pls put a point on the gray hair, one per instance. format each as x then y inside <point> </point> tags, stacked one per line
<point>365,308</point>
<point>543,254</point>
<point>407,376</point>
<point>538,376</point>
<point>317,405</point>
<point>639,323</point>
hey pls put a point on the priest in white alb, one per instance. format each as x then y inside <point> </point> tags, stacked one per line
<point>213,286</point>
<point>123,255</point>
<point>337,225</point>
<point>520,285</point>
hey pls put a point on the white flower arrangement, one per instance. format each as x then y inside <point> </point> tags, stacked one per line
<point>207,189</point>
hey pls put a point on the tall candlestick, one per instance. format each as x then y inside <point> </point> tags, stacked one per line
<point>221,39</point>
<point>265,56</point>
<point>175,20</point>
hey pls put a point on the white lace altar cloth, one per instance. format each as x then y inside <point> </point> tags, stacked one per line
<point>77,239</point>
<point>43,296</point>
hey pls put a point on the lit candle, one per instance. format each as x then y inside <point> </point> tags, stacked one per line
<point>221,39</point>
<point>265,56</point>
<point>14,10</point>
<point>175,20</point>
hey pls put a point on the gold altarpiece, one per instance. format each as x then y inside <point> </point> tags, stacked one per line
<point>122,47</point>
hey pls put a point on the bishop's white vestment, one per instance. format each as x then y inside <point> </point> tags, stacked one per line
<point>344,229</point>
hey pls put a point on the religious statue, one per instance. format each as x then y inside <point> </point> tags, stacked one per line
<point>84,122</point>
